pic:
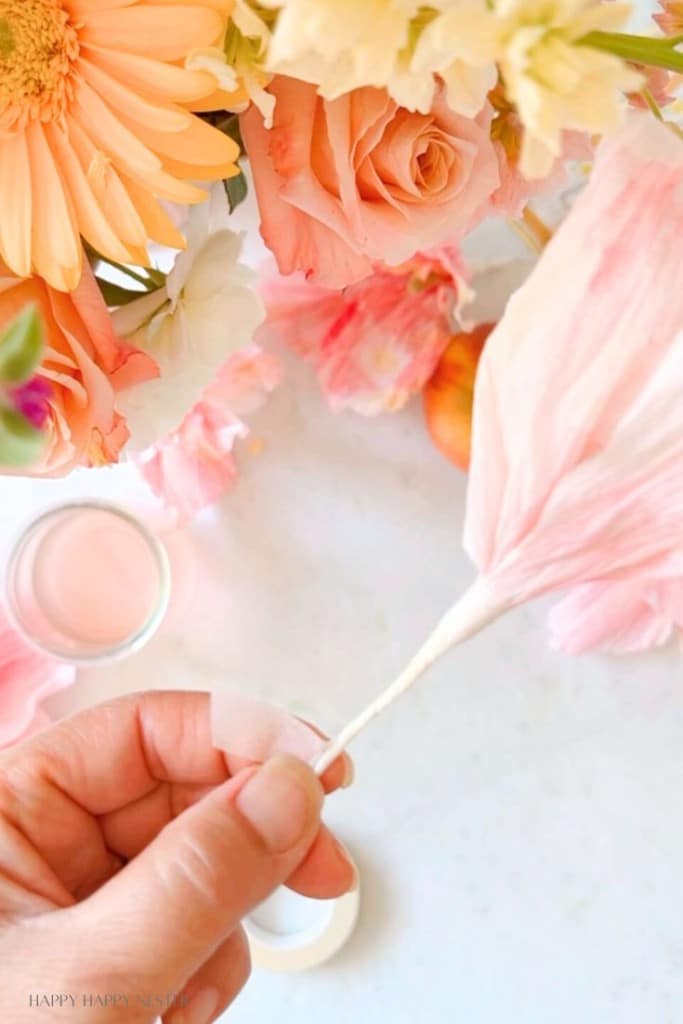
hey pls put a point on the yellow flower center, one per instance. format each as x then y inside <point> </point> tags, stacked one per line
<point>38,46</point>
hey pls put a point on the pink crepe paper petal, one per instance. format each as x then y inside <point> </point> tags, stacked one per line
<point>617,616</point>
<point>577,468</point>
<point>27,677</point>
<point>577,460</point>
<point>250,728</point>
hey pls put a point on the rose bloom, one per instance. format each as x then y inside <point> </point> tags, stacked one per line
<point>343,184</point>
<point>84,363</point>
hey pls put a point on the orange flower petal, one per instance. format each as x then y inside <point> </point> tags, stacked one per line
<point>127,152</point>
<point>219,99</point>
<point>108,190</point>
<point>94,225</point>
<point>224,6</point>
<point>164,32</point>
<point>152,76</point>
<point>15,204</point>
<point>135,107</point>
<point>203,144</point>
<point>158,225</point>
<point>57,250</point>
<point>84,8</point>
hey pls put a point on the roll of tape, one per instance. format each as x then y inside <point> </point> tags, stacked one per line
<point>309,946</point>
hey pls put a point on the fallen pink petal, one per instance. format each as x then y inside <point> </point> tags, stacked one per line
<point>27,677</point>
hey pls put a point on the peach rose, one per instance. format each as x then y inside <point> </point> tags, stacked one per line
<point>343,184</point>
<point>84,363</point>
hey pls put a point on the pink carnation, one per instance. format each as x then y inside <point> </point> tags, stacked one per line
<point>343,184</point>
<point>27,677</point>
<point>376,343</point>
<point>194,466</point>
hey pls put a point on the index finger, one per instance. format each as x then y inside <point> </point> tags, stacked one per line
<point>107,757</point>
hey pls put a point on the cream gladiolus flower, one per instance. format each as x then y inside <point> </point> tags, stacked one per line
<point>340,46</point>
<point>459,43</point>
<point>239,66</point>
<point>556,82</point>
<point>246,47</point>
<point>207,310</point>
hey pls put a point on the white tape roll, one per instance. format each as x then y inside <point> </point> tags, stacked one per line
<point>277,946</point>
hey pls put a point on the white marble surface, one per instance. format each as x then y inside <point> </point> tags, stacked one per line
<point>517,819</point>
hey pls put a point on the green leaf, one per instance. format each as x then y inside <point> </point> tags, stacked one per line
<point>231,128</point>
<point>236,190</point>
<point>116,295</point>
<point>229,124</point>
<point>20,443</point>
<point>21,346</point>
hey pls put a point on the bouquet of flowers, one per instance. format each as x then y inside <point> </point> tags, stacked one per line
<point>376,136</point>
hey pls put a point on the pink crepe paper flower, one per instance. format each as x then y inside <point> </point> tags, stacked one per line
<point>376,343</point>
<point>577,470</point>
<point>577,459</point>
<point>27,677</point>
<point>343,184</point>
<point>618,616</point>
<point>194,466</point>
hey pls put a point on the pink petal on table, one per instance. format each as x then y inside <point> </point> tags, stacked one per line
<point>27,677</point>
<point>194,466</point>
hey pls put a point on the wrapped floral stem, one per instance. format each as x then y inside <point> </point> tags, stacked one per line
<point>477,608</point>
<point>577,461</point>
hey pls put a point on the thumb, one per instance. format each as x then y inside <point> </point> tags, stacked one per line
<point>170,908</point>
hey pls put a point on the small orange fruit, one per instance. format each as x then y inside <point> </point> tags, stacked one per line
<point>449,395</point>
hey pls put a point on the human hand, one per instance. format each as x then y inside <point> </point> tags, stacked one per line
<point>130,849</point>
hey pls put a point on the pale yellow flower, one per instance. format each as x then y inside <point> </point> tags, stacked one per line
<point>340,46</point>
<point>460,43</point>
<point>246,47</point>
<point>239,65</point>
<point>556,83</point>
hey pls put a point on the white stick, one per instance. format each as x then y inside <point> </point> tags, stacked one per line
<point>476,609</point>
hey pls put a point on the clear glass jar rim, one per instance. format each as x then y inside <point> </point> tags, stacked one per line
<point>136,640</point>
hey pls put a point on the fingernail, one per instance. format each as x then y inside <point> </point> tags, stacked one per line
<point>201,1009</point>
<point>348,860</point>
<point>279,801</point>
<point>349,772</point>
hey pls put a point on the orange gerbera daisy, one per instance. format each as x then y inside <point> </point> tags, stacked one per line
<point>95,127</point>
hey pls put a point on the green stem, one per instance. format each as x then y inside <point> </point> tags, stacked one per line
<point>659,53</point>
<point>652,103</point>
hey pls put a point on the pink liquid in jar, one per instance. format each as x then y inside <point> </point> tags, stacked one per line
<point>88,582</point>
